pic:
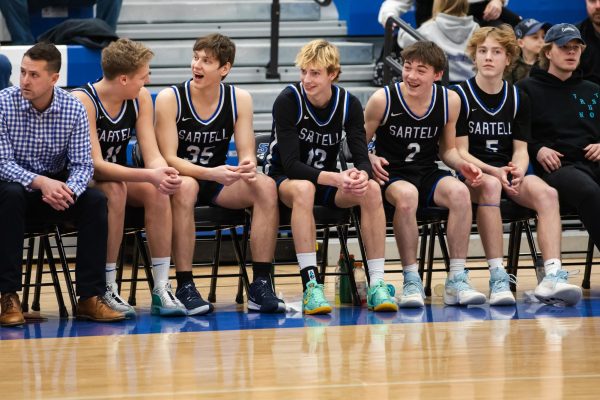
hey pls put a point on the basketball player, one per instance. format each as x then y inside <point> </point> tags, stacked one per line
<point>410,120</point>
<point>195,122</point>
<point>493,130</point>
<point>310,118</point>
<point>117,105</point>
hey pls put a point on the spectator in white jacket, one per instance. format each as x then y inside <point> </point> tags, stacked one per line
<point>450,28</point>
<point>485,12</point>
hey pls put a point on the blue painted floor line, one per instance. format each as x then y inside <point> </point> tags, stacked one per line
<point>232,318</point>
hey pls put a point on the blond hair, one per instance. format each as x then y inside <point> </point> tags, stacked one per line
<point>457,8</point>
<point>503,34</point>
<point>321,54</point>
<point>124,57</point>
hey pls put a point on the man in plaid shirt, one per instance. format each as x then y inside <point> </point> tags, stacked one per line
<point>45,166</point>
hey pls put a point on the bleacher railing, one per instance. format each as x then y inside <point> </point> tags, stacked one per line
<point>273,65</point>
<point>390,63</point>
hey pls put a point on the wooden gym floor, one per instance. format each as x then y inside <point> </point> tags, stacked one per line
<point>528,351</point>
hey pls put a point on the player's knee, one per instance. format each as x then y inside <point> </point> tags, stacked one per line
<point>406,203</point>
<point>267,190</point>
<point>116,193</point>
<point>186,195</point>
<point>458,196</point>
<point>490,191</point>
<point>548,197</point>
<point>373,195</point>
<point>304,194</point>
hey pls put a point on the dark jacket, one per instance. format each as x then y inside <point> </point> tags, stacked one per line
<point>565,115</point>
<point>520,71</point>
<point>590,59</point>
<point>89,32</point>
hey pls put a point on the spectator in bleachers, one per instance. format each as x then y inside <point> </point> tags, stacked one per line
<point>195,121</point>
<point>565,125</point>
<point>16,14</point>
<point>590,33</point>
<point>485,12</point>
<point>492,132</point>
<point>45,167</point>
<point>530,37</point>
<point>5,72</point>
<point>117,105</point>
<point>450,28</point>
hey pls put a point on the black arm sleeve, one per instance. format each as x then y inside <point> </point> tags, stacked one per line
<point>357,137</point>
<point>285,114</point>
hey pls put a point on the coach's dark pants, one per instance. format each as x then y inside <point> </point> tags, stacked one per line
<point>579,188</point>
<point>89,214</point>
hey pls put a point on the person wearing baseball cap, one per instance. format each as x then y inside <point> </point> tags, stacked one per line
<point>565,130</point>
<point>561,34</point>
<point>530,38</point>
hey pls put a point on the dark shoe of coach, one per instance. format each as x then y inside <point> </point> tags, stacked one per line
<point>95,309</point>
<point>11,315</point>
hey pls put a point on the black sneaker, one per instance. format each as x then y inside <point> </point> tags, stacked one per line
<point>189,296</point>
<point>261,298</point>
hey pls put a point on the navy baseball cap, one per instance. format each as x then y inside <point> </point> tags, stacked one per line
<point>563,33</point>
<point>530,26</point>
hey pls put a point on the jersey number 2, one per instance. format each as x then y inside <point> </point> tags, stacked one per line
<point>415,149</point>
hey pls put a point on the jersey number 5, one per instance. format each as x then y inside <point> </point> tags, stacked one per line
<point>196,156</point>
<point>491,146</point>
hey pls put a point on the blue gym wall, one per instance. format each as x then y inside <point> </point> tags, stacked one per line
<point>361,15</point>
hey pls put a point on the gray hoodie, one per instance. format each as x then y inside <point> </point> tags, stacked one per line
<point>451,33</point>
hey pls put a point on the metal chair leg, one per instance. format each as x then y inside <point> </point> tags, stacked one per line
<point>588,265</point>
<point>28,268</point>
<point>432,235</point>
<point>35,304</point>
<point>143,252</point>
<point>212,294</point>
<point>65,268</point>
<point>135,263</point>
<point>350,267</point>
<point>325,252</point>
<point>55,281</point>
<point>237,248</point>
<point>424,236</point>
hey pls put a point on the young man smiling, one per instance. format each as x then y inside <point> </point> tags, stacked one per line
<point>195,121</point>
<point>410,120</point>
<point>310,120</point>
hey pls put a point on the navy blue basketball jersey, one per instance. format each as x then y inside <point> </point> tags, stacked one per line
<point>205,142</point>
<point>320,132</point>
<point>489,121</point>
<point>113,134</point>
<point>406,139</point>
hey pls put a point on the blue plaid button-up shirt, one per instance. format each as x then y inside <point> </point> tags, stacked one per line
<point>36,143</point>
